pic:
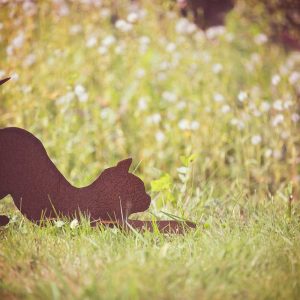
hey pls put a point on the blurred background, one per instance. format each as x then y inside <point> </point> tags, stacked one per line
<point>203,95</point>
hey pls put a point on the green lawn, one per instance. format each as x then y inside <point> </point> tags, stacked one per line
<point>211,121</point>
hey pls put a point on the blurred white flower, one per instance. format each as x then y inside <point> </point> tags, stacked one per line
<point>278,119</point>
<point>75,29</point>
<point>184,26</point>
<point>74,224</point>
<point>132,17</point>
<point>225,109</point>
<point>184,124</point>
<point>18,41</point>
<point>287,104</point>
<point>194,125</point>
<point>154,119</point>
<point>120,48</point>
<point>242,96</point>
<point>65,99</point>
<point>285,135</point>
<point>238,123</point>
<point>59,223</point>
<point>256,139</point>
<point>214,32</point>
<point>91,42</point>
<point>160,136</point>
<point>14,76</point>
<point>217,68</point>
<point>123,26</point>
<point>144,40</point>
<point>278,105</point>
<point>268,153</point>
<point>29,60</point>
<point>277,154</point>
<point>105,12</point>
<point>183,170</point>
<point>108,41</point>
<point>171,47</point>
<point>142,104</point>
<point>2,73</point>
<point>181,105</point>
<point>140,73</point>
<point>265,106</point>
<point>295,117</point>
<point>169,96</point>
<point>29,7</point>
<point>275,79</point>
<point>294,77</point>
<point>218,97</point>
<point>81,93</point>
<point>260,39</point>
<point>102,50</point>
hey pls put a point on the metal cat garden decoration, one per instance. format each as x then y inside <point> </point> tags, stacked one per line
<point>41,192</point>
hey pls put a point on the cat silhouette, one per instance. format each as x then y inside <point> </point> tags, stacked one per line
<point>41,192</point>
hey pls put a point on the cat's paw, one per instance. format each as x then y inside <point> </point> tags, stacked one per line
<point>4,220</point>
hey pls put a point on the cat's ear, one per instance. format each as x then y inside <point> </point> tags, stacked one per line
<point>124,165</point>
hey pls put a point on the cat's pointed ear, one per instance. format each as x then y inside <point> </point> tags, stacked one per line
<point>124,165</point>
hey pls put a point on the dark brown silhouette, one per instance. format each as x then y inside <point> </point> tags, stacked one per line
<point>40,191</point>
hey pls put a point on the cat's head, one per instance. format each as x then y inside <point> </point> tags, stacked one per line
<point>124,192</point>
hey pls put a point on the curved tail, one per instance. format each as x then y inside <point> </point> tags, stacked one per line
<point>169,227</point>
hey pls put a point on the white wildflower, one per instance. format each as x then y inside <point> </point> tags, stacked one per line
<point>260,39</point>
<point>102,50</point>
<point>160,136</point>
<point>265,106</point>
<point>123,26</point>
<point>29,60</point>
<point>81,93</point>
<point>108,41</point>
<point>242,96</point>
<point>256,139</point>
<point>59,223</point>
<point>169,96</point>
<point>132,17</point>
<point>294,77</point>
<point>154,119</point>
<point>74,224</point>
<point>75,29</point>
<point>218,97</point>
<point>214,32</point>
<point>217,68</point>
<point>184,124</point>
<point>275,79</point>
<point>278,119</point>
<point>278,105</point>
<point>91,42</point>
<point>194,125</point>
<point>268,153</point>
<point>171,47</point>
<point>295,117</point>
<point>225,109</point>
<point>142,103</point>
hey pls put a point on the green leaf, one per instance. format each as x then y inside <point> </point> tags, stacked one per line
<point>161,184</point>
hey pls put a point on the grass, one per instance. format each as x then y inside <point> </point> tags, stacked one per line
<point>212,123</point>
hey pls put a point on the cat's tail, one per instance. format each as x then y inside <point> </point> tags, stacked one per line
<point>4,80</point>
<point>166,227</point>
<point>4,220</point>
